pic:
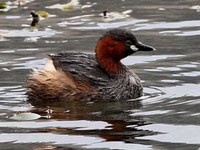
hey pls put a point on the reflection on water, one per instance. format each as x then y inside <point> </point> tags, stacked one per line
<point>166,117</point>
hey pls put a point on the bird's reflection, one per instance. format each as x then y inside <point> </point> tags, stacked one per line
<point>117,114</point>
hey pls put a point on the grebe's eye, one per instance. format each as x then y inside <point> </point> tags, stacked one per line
<point>128,42</point>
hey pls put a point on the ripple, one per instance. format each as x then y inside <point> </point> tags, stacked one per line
<point>181,90</point>
<point>12,94</point>
<point>153,112</point>
<point>76,20</point>
<point>173,133</point>
<point>168,25</point>
<point>181,33</point>
<point>29,33</point>
<point>77,125</point>
<point>32,39</point>
<point>10,87</point>
<point>169,68</point>
<point>49,138</point>
<point>131,60</point>
<point>120,146</point>
<point>187,66</point>
<point>169,32</point>
<point>32,64</point>
<point>109,25</point>
<point>189,33</point>
<point>153,70</point>
<point>48,41</point>
<point>170,81</point>
<point>28,49</point>
<point>195,114</point>
<point>13,17</point>
<point>16,108</point>
<point>63,139</point>
<point>151,90</point>
<point>195,63</point>
<point>25,58</point>
<point>190,74</point>
<point>177,91</point>
<point>7,51</point>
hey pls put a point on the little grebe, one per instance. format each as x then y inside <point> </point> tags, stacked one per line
<point>81,76</point>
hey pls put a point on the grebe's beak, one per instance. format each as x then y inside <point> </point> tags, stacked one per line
<point>142,47</point>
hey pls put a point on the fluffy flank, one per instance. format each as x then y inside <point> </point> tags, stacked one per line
<point>54,85</point>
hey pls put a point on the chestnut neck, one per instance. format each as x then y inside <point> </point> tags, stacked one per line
<point>109,53</point>
<point>109,65</point>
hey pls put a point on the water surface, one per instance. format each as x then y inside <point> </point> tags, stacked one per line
<point>166,117</point>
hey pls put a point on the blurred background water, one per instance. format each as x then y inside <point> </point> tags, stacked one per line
<point>166,117</point>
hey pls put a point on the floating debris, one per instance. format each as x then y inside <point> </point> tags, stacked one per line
<point>25,116</point>
<point>3,5</point>
<point>38,16</point>
<point>49,112</point>
<point>73,4</point>
<point>35,20</point>
<point>43,14</point>
<point>2,38</point>
<point>22,2</point>
<point>161,9</point>
<point>105,13</point>
<point>111,16</point>
<point>196,7</point>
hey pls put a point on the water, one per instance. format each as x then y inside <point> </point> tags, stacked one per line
<point>166,117</point>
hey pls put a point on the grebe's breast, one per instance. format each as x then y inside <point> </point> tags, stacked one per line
<point>123,86</point>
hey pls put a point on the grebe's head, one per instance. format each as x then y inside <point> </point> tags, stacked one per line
<point>115,45</point>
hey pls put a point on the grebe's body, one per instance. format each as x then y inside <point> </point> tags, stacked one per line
<point>80,76</point>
